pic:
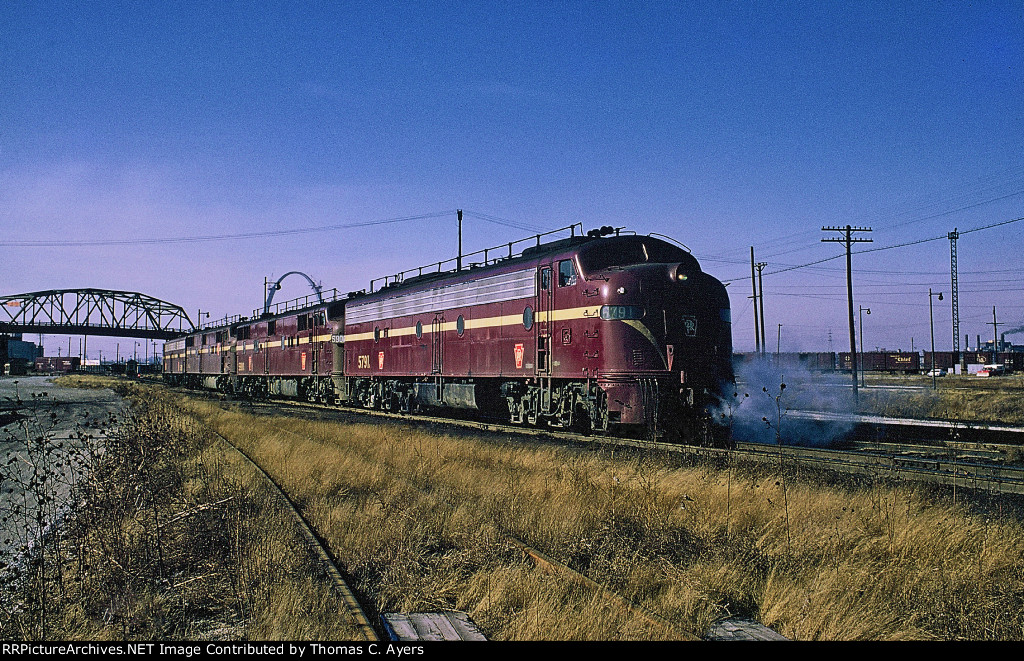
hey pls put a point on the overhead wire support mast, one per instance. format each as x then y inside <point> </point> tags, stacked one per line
<point>849,241</point>
<point>953,236</point>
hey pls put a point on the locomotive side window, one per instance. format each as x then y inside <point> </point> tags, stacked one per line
<point>545,279</point>
<point>460,325</point>
<point>528,318</point>
<point>376,333</point>
<point>419,330</point>
<point>566,273</point>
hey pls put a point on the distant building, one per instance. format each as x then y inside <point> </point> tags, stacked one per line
<point>1003,346</point>
<point>16,356</point>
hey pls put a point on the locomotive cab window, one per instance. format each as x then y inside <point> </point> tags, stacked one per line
<point>605,255</point>
<point>566,273</point>
<point>630,251</point>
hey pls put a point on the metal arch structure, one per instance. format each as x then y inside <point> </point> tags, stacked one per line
<point>101,312</point>
<point>277,285</point>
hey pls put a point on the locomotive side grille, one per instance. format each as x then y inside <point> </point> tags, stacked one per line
<point>492,289</point>
<point>638,358</point>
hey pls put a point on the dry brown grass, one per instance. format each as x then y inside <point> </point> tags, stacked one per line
<point>960,398</point>
<point>173,538</point>
<point>420,519</point>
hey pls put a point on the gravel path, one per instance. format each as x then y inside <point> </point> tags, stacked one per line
<point>36,413</point>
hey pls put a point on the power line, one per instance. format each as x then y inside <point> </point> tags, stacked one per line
<point>223,237</point>
<point>890,247</point>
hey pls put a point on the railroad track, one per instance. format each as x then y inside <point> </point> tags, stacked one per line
<point>357,611</point>
<point>353,607</point>
<point>939,465</point>
<point>990,478</point>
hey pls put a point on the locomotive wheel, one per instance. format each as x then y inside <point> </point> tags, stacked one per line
<point>529,408</point>
<point>580,421</point>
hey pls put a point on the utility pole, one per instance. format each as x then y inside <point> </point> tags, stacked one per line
<point>931,323</point>
<point>849,240</point>
<point>458,266</point>
<point>861,311</point>
<point>760,296</point>
<point>753,284</point>
<point>995,336</point>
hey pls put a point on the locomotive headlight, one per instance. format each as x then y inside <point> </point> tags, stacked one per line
<point>621,290</point>
<point>680,275</point>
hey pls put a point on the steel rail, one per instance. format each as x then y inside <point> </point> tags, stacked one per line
<point>549,564</point>
<point>348,597</point>
<point>1001,479</point>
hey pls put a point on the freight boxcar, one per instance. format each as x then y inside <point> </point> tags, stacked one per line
<point>893,362</point>
<point>61,364</point>
<point>944,360</point>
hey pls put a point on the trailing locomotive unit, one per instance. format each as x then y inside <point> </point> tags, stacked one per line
<point>586,333</point>
<point>290,354</point>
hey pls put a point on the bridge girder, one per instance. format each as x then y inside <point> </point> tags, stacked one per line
<point>103,312</point>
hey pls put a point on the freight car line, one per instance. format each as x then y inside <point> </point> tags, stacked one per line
<point>355,609</point>
<point>546,562</point>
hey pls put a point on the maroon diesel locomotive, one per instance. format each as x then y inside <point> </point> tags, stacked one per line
<point>591,332</point>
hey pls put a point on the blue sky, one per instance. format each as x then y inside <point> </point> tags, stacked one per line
<point>723,125</point>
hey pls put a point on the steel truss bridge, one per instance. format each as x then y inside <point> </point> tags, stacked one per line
<point>93,312</point>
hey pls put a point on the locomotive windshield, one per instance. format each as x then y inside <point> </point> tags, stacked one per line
<point>631,250</point>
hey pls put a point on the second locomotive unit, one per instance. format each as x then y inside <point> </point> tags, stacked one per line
<point>592,332</point>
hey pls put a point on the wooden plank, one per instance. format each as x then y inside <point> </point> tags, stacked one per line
<point>445,625</point>
<point>742,629</point>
